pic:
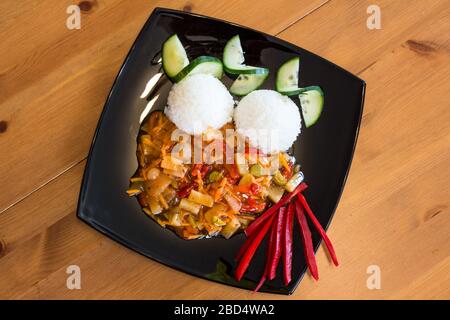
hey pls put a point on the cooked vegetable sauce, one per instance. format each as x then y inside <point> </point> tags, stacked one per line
<point>204,200</point>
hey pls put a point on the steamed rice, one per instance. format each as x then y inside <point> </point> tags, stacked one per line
<point>270,120</point>
<point>199,102</point>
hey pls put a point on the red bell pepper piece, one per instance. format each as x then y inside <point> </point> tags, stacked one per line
<point>269,254</point>
<point>307,241</point>
<point>251,228</point>
<point>319,228</point>
<point>276,248</point>
<point>244,247</point>
<point>186,189</point>
<point>287,243</point>
<point>250,252</point>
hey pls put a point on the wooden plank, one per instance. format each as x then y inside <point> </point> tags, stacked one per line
<point>56,69</point>
<point>54,82</point>
<point>395,205</point>
<point>338,31</point>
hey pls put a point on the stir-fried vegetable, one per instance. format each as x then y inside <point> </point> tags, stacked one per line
<point>198,200</point>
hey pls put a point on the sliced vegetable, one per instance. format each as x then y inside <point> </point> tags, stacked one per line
<point>153,173</point>
<point>246,83</point>
<point>201,198</point>
<point>171,163</point>
<point>190,206</point>
<point>319,228</point>
<point>287,77</point>
<point>269,213</point>
<point>157,186</point>
<point>174,218</point>
<point>275,193</point>
<point>307,241</point>
<point>233,59</point>
<point>250,252</point>
<point>246,180</point>
<point>204,65</point>
<point>287,244</point>
<point>276,249</point>
<point>230,228</point>
<point>136,187</point>
<point>216,213</point>
<point>214,176</point>
<point>294,181</point>
<point>269,254</point>
<point>174,57</point>
<point>234,203</point>
<point>154,205</point>
<point>279,179</point>
<point>245,247</point>
<point>311,101</point>
<point>257,170</point>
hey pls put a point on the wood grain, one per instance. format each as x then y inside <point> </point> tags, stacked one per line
<point>54,82</point>
<point>394,212</point>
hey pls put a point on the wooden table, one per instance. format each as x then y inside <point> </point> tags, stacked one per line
<point>394,212</point>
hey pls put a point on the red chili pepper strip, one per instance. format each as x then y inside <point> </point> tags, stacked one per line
<point>251,228</point>
<point>287,243</point>
<point>250,252</point>
<point>269,254</point>
<point>307,241</point>
<point>276,248</point>
<point>244,247</point>
<point>319,228</point>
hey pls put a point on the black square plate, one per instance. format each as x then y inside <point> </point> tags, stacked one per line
<point>324,150</point>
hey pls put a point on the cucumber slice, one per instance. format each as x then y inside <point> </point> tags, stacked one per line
<point>246,83</point>
<point>311,101</point>
<point>233,55</point>
<point>233,59</point>
<point>204,65</point>
<point>287,77</point>
<point>174,57</point>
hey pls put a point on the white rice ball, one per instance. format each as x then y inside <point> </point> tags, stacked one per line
<point>199,102</point>
<point>270,120</point>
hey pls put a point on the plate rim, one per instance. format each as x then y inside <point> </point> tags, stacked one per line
<point>151,18</point>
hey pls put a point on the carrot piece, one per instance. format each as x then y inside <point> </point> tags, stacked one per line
<point>319,228</point>
<point>269,254</point>
<point>250,252</point>
<point>254,226</point>
<point>307,241</point>
<point>287,243</point>
<point>276,248</point>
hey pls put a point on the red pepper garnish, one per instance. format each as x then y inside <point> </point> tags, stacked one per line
<point>233,171</point>
<point>204,170</point>
<point>319,228</point>
<point>269,254</point>
<point>307,241</point>
<point>255,188</point>
<point>244,247</point>
<point>185,190</point>
<point>251,228</point>
<point>280,220</point>
<point>288,173</point>
<point>253,206</point>
<point>287,244</point>
<point>276,249</point>
<point>251,201</point>
<point>196,169</point>
<point>250,252</point>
